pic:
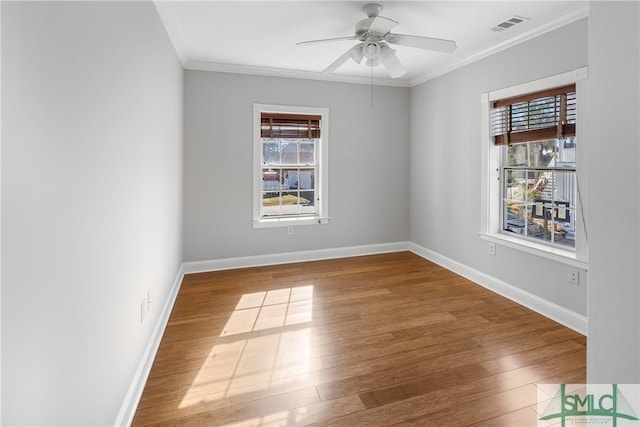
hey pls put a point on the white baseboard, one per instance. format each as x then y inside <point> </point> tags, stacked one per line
<point>553,311</point>
<point>287,257</point>
<point>131,400</point>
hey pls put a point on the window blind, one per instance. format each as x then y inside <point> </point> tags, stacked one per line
<point>536,116</point>
<point>298,126</point>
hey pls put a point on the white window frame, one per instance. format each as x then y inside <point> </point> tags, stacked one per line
<point>490,229</point>
<point>322,182</point>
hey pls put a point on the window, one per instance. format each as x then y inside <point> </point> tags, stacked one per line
<point>532,173</point>
<point>536,133</point>
<point>290,171</point>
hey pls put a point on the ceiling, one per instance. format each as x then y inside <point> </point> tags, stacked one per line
<point>259,37</point>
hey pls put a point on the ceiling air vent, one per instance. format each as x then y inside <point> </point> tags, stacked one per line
<point>508,23</point>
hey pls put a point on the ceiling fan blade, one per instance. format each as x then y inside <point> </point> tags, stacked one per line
<point>391,62</point>
<point>381,25</point>
<point>354,53</point>
<point>335,39</point>
<point>429,43</point>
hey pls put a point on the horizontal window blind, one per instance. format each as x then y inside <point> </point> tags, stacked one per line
<point>536,116</point>
<point>298,126</point>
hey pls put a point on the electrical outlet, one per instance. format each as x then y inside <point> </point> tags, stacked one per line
<point>492,248</point>
<point>143,309</point>
<point>289,230</point>
<point>574,276</point>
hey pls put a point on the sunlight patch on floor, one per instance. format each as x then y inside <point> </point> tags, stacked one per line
<point>266,343</point>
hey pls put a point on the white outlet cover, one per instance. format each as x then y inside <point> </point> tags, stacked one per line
<point>574,276</point>
<point>143,309</point>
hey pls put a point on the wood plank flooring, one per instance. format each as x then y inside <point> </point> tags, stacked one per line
<point>380,340</point>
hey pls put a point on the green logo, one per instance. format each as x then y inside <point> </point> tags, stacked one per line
<point>589,406</point>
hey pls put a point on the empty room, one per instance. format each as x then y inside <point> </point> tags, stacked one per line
<point>291,213</point>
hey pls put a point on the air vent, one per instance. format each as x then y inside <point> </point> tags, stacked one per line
<point>508,23</point>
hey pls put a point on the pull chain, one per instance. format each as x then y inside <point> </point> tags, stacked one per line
<point>371,84</point>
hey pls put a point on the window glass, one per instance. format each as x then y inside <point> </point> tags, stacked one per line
<point>288,190</point>
<point>539,190</point>
<point>271,151</point>
<point>290,169</point>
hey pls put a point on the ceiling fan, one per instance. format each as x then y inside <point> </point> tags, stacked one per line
<point>374,33</point>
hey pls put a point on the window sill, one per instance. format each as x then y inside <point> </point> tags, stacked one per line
<point>543,251</point>
<point>289,222</point>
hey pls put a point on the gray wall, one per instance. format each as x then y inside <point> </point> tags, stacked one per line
<point>614,236</point>
<point>446,168</point>
<point>368,165</point>
<point>91,202</point>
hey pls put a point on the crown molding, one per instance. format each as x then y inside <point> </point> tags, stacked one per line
<point>292,74</point>
<point>562,20</point>
<point>165,11</point>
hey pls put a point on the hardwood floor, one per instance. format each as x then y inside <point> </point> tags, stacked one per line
<point>377,340</point>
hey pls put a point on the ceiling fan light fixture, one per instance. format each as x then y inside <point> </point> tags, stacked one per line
<point>390,61</point>
<point>373,62</point>
<point>371,48</point>
<point>356,54</point>
<point>374,32</point>
<point>385,50</point>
